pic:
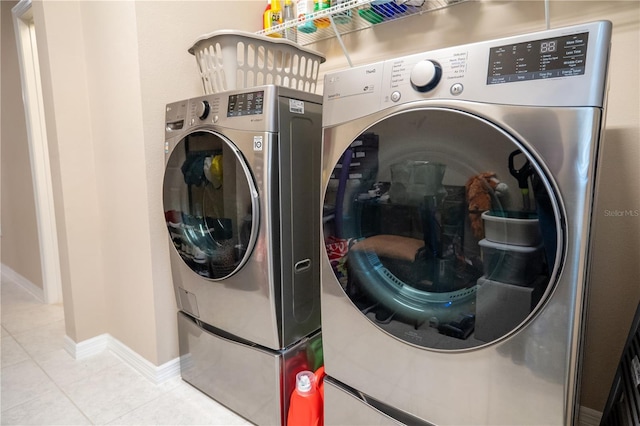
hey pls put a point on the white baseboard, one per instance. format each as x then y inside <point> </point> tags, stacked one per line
<point>95,345</point>
<point>157,374</point>
<point>11,275</point>
<point>589,417</point>
<point>86,348</point>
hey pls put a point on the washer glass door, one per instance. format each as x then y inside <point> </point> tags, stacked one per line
<point>441,228</point>
<point>209,203</point>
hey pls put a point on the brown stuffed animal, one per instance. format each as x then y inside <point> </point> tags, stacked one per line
<point>479,195</point>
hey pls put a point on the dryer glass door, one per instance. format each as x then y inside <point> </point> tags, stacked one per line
<point>441,228</point>
<point>210,204</point>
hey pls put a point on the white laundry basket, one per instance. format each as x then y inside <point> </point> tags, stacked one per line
<point>230,59</point>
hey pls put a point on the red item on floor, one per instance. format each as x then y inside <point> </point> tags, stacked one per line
<point>305,407</point>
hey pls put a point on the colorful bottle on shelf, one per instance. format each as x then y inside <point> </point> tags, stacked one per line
<point>290,32</point>
<point>277,17</point>
<point>304,8</point>
<point>272,16</point>
<point>320,5</point>
<point>266,16</point>
<point>305,406</point>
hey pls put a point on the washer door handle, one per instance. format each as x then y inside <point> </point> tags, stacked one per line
<point>302,265</point>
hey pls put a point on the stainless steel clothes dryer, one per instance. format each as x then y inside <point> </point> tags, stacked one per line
<point>458,188</point>
<point>240,189</point>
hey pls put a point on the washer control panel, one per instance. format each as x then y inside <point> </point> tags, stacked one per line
<point>552,68</point>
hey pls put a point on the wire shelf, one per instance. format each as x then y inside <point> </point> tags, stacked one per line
<point>356,15</point>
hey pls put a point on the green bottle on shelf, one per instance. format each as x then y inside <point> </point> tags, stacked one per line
<point>319,5</point>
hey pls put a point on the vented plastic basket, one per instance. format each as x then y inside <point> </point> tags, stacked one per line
<point>230,59</point>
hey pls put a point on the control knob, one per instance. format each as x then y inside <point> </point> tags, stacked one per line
<point>425,75</point>
<point>202,110</point>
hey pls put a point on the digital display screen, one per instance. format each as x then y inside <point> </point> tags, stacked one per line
<point>245,104</point>
<point>564,56</point>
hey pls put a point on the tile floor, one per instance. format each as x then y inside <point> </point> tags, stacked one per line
<point>41,384</point>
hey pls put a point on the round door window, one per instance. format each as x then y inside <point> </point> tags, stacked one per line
<point>209,208</point>
<point>441,228</point>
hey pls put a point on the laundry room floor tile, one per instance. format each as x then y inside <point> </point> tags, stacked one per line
<point>42,340</point>
<point>12,352</point>
<point>42,384</point>
<point>183,405</point>
<point>31,317</point>
<point>111,393</point>
<point>64,370</point>
<point>23,382</point>
<point>51,408</point>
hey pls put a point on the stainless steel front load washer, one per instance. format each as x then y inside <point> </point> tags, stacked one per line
<point>240,193</point>
<point>458,189</point>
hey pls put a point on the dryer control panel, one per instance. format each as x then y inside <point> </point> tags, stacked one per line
<point>554,57</point>
<point>254,109</point>
<point>246,103</point>
<point>554,68</point>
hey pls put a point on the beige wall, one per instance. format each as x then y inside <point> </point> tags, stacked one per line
<point>19,249</point>
<point>72,157</point>
<point>110,67</point>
